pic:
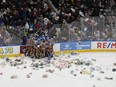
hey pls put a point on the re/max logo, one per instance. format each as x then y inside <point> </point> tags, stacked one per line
<point>106,45</point>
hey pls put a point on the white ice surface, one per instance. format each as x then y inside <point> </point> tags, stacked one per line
<point>62,78</point>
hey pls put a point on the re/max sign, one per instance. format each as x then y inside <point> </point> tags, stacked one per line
<point>106,45</point>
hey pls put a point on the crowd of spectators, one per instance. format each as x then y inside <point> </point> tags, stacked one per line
<point>7,38</point>
<point>74,9</point>
<point>35,18</point>
<point>95,28</point>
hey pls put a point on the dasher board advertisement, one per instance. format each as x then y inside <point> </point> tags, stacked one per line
<point>103,45</point>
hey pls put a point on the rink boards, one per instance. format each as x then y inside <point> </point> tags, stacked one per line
<point>10,51</point>
<point>66,47</point>
<point>85,46</point>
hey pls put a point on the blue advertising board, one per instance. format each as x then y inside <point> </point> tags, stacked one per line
<point>83,45</point>
<point>75,45</point>
<point>68,46</point>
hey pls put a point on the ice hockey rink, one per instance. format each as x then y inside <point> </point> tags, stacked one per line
<point>101,76</point>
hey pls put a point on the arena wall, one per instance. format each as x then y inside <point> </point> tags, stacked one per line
<point>10,51</point>
<point>87,46</point>
<point>66,47</point>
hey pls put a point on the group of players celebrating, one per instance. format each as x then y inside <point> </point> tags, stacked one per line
<point>41,50</point>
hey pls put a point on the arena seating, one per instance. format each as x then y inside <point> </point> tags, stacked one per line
<point>59,21</point>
